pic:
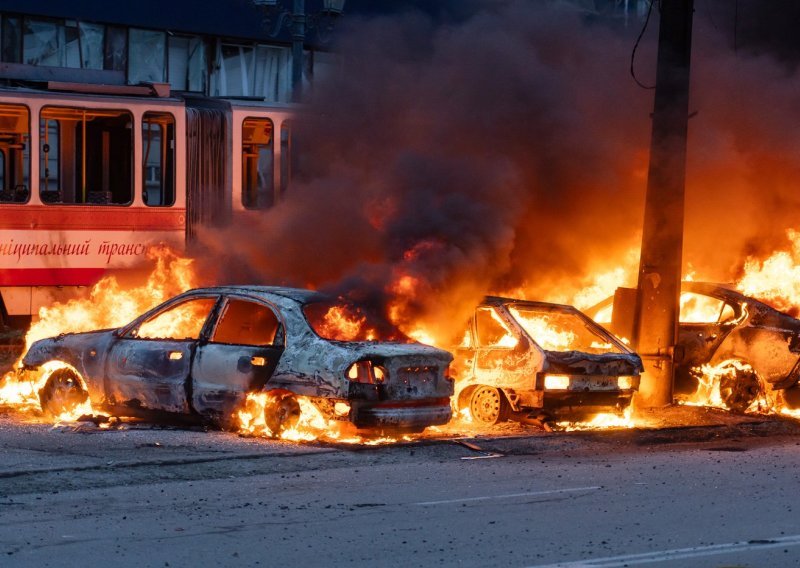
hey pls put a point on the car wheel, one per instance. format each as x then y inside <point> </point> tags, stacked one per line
<point>281,413</point>
<point>740,386</point>
<point>62,393</point>
<point>488,406</point>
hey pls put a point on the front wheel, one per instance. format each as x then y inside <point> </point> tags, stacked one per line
<point>62,394</point>
<point>488,406</point>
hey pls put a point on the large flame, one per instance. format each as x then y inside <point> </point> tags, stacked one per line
<point>109,304</point>
<point>776,279</point>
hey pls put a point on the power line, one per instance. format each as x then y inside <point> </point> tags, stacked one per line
<point>636,45</point>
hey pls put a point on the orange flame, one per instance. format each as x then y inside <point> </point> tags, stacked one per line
<point>310,426</point>
<point>776,280</point>
<point>108,305</point>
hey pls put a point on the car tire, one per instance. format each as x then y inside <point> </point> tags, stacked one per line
<point>63,392</point>
<point>740,386</point>
<point>488,406</point>
<point>281,413</point>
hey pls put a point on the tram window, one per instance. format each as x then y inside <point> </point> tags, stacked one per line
<point>14,154</point>
<point>158,156</point>
<point>258,164</point>
<point>286,156</point>
<point>86,156</point>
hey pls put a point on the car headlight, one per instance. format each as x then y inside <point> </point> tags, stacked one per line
<point>625,383</point>
<point>556,382</point>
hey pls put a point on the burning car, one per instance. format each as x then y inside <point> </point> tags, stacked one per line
<point>200,353</point>
<point>520,356</point>
<point>749,346</point>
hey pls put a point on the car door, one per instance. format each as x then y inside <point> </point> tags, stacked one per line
<point>148,366</point>
<point>704,323</point>
<point>503,355</point>
<point>242,350</point>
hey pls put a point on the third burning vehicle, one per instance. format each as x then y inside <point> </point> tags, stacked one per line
<point>200,353</point>
<point>751,346</point>
<point>521,357</point>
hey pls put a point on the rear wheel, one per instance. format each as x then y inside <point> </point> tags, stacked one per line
<point>488,406</point>
<point>740,386</point>
<point>282,412</point>
<point>62,393</point>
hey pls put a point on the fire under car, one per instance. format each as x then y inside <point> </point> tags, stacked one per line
<point>753,347</point>
<point>200,353</point>
<point>522,358</point>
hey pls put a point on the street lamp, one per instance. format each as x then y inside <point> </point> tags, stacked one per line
<point>300,23</point>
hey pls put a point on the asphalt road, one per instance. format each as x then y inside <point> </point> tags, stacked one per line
<point>163,497</point>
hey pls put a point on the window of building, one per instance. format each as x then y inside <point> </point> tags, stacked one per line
<point>158,157</point>
<point>273,73</point>
<point>146,56</point>
<point>12,39</point>
<point>187,63</point>
<point>86,156</point>
<point>258,164</point>
<point>43,43</point>
<point>61,43</point>
<point>252,71</point>
<point>91,38</point>
<point>14,154</point>
<point>115,49</point>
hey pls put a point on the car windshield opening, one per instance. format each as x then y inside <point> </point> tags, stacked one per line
<point>563,330</point>
<point>341,321</point>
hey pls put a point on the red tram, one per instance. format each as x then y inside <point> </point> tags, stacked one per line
<point>91,176</point>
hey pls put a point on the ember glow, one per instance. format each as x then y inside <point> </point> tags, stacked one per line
<point>602,421</point>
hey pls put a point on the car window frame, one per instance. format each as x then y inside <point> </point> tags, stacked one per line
<point>125,332</point>
<point>738,311</point>
<point>511,327</point>
<point>219,310</point>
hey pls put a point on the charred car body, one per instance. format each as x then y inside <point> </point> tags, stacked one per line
<point>520,356</point>
<point>753,346</point>
<point>200,353</point>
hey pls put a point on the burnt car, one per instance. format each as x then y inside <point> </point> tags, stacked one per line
<point>521,357</point>
<point>198,355</point>
<point>752,346</point>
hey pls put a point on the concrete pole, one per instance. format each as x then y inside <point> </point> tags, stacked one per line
<point>298,39</point>
<point>657,302</point>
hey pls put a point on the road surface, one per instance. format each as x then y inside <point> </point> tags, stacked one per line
<point>168,497</point>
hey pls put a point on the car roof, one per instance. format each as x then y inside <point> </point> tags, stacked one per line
<point>500,300</point>
<point>300,295</point>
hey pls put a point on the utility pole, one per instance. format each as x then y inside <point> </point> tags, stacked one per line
<point>298,39</point>
<point>660,265</point>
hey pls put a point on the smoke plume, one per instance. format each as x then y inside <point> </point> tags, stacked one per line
<point>508,152</point>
